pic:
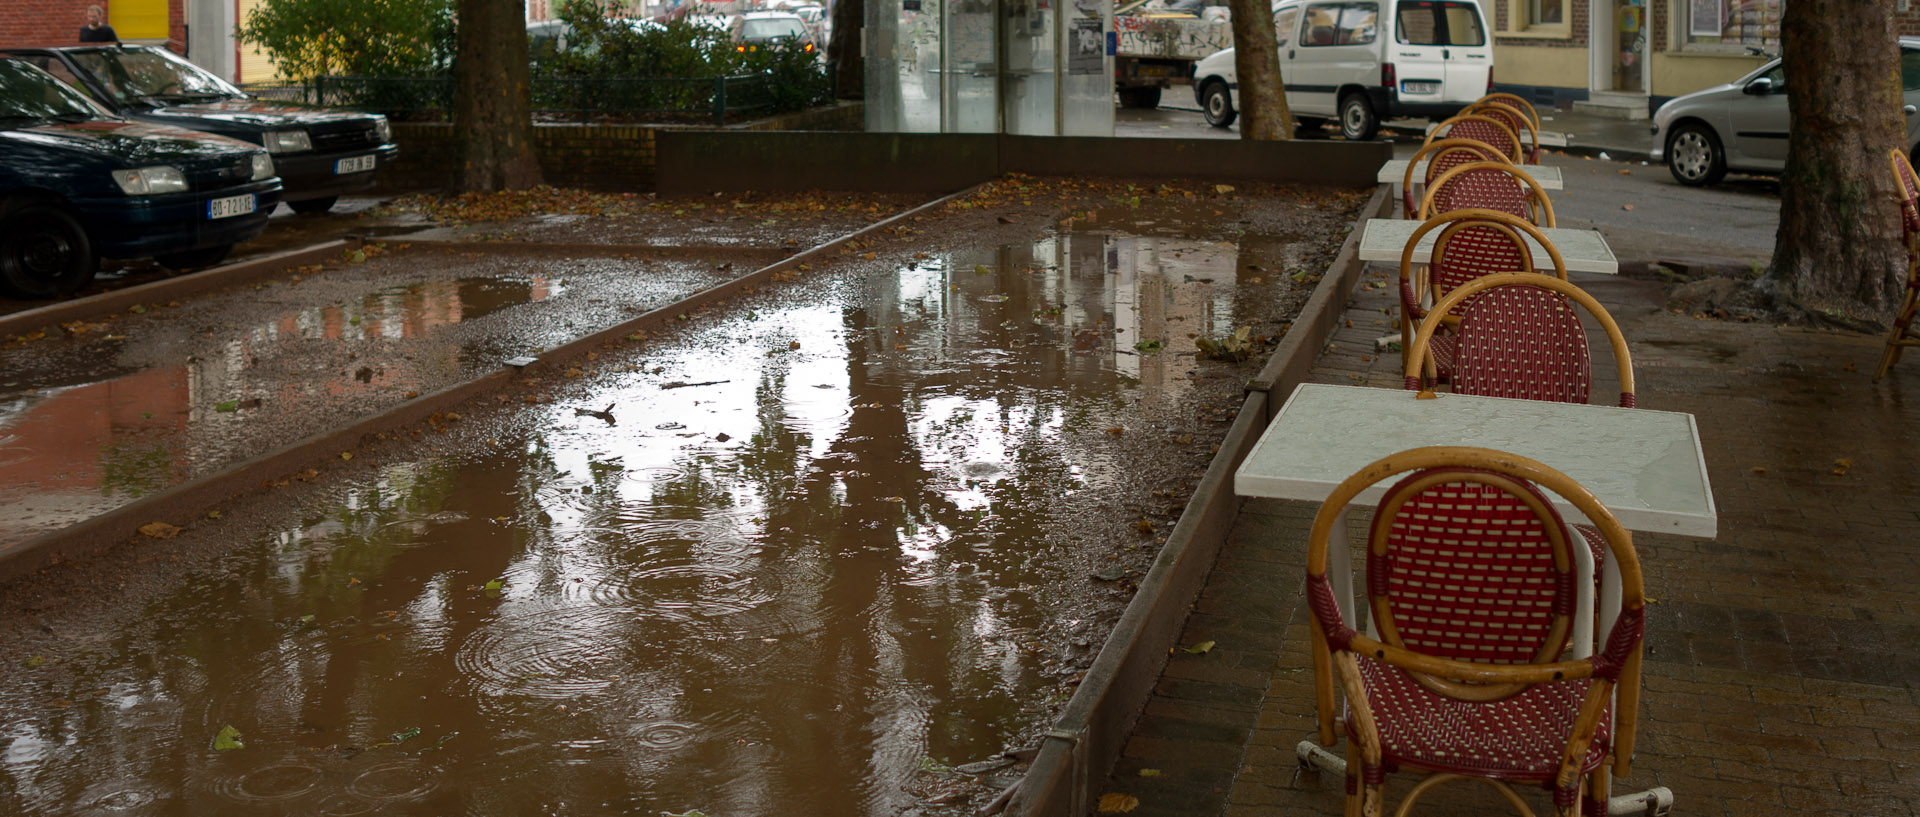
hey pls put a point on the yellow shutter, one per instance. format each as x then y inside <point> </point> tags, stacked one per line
<point>138,19</point>
<point>255,65</point>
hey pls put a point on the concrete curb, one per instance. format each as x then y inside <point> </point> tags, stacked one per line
<point>1090,734</point>
<point>186,503</point>
<point>168,289</point>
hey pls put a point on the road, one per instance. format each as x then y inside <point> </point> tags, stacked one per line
<point>1646,216</point>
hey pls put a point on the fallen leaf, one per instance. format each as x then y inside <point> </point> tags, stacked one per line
<point>1115,802</point>
<point>346,455</point>
<point>1760,469</point>
<point>1841,465</point>
<point>1223,189</point>
<point>1626,207</point>
<point>1201,648</point>
<point>159,530</point>
<point>36,661</point>
<point>228,406</point>
<point>228,738</point>
<point>1112,573</point>
<point>1149,772</point>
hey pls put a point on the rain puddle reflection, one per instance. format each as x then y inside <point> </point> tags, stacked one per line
<point>789,563</point>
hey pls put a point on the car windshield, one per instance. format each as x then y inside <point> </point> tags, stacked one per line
<point>28,94</point>
<point>771,29</point>
<point>132,75</point>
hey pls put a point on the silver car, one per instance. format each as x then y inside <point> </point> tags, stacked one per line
<point>1742,125</point>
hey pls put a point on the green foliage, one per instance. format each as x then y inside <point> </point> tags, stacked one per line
<point>307,38</point>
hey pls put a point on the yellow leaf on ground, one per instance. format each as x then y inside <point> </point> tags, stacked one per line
<point>1117,803</point>
<point>159,530</point>
<point>1149,772</point>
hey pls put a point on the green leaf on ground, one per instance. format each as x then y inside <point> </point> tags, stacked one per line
<point>228,738</point>
<point>228,406</point>
<point>1201,648</point>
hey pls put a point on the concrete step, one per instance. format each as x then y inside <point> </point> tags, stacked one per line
<point>1614,106</point>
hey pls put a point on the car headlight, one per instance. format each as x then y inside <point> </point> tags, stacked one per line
<point>287,141</point>
<point>146,181</point>
<point>262,166</point>
<point>382,132</point>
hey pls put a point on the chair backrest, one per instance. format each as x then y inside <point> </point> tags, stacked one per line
<point>1471,537</point>
<point>1909,192</point>
<point>1440,156</point>
<point>1488,185</point>
<point>1520,337</point>
<point>1484,128</point>
<point>1471,243</point>
<point>1518,103</point>
<point>1522,125</point>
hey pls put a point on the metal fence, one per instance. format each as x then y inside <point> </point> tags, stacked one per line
<point>574,98</point>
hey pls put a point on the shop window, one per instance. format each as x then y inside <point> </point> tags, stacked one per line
<point>1734,25</point>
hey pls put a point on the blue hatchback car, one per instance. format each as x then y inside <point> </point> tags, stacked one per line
<point>77,184</point>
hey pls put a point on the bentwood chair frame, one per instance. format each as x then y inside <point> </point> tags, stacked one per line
<point>1472,243</point>
<point>1421,370</point>
<point>1522,125</point>
<point>1516,102</point>
<point>1440,156</point>
<point>1905,333</point>
<point>1400,684</point>
<point>1484,128</point>
<point>1530,199</point>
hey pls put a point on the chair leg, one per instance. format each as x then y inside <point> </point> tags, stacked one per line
<point>1598,791</point>
<point>1353,779</point>
<point>1903,332</point>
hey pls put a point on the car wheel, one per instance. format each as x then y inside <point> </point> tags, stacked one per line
<point>1694,155</point>
<point>1218,105</point>
<point>1357,120</point>
<point>44,252</point>
<point>319,205</point>
<point>194,259</point>
<point>1147,98</point>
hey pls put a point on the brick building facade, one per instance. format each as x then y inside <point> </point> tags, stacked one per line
<point>58,22</point>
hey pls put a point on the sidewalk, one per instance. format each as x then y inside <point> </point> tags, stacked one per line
<point>1781,671</point>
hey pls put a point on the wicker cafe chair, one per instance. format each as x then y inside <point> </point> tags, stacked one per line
<point>1471,582</point>
<point>1484,128</point>
<point>1516,102</point>
<point>1471,243</point>
<point>1905,333</point>
<point>1441,156</point>
<point>1520,337</point>
<point>1522,125</point>
<point>1489,185</point>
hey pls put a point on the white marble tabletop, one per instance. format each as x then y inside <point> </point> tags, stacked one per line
<point>1382,239</point>
<point>1645,466</point>
<point>1395,172</point>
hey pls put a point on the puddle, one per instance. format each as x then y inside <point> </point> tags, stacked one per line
<point>789,563</point>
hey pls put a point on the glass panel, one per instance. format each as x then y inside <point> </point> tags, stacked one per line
<point>969,71</point>
<point>1283,26</point>
<point>1028,90</point>
<point>1358,24</point>
<point>1910,70</point>
<point>1630,39</point>
<point>1463,23</point>
<point>1421,23</point>
<point>1549,12</point>
<point>1087,86</point>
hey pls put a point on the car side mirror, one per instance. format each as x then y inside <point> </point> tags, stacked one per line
<point>1760,86</point>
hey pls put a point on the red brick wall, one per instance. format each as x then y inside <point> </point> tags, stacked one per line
<point>57,22</point>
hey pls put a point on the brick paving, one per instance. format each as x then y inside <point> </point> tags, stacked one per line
<point>1782,656</point>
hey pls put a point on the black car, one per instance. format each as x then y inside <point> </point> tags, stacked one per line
<point>320,154</point>
<point>77,184</point>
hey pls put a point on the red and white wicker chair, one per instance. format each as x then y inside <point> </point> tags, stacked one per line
<point>1439,157</point>
<point>1517,103</point>
<point>1905,333</point>
<point>1522,125</point>
<point>1518,336</point>
<point>1484,128</point>
<point>1467,670</point>
<point>1472,243</point>
<point>1488,185</point>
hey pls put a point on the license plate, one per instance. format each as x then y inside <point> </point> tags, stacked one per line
<point>230,206</point>
<point>1415,86</point>
<point>354,164</point>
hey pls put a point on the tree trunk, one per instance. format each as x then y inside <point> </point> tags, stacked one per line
<point>493,98</point>
<point>1837,257</point>
<point>1256,59</point>
<point>843,49</point>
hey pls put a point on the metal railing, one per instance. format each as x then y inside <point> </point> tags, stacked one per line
<point>583,99</point>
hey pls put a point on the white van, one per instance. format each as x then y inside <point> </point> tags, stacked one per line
<point>1343,59</point>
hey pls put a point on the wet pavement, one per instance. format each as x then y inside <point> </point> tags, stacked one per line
<point>804,554</point>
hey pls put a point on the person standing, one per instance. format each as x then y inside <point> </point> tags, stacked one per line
<point>96,30</point>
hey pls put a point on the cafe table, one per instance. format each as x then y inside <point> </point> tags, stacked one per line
<point>1395,171</point>
<point>1383,239</point>
<point>1645,466</point>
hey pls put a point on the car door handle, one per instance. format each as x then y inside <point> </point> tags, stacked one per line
<point>1289,53</point>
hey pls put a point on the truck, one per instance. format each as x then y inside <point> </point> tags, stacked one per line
<point>1157,47</point>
